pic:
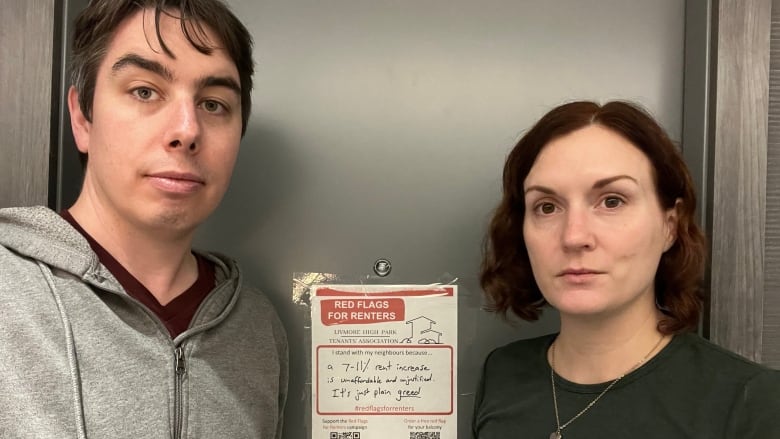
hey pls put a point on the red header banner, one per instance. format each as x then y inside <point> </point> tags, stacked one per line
<point>361,311</point>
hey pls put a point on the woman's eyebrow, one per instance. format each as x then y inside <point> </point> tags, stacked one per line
<point>538,188</point>
<point>599,184</point>
<point>605,181</point>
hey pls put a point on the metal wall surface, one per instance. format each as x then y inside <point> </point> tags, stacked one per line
<point>380,128</point>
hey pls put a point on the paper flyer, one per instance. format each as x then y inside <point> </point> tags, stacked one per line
<point>384,361</point>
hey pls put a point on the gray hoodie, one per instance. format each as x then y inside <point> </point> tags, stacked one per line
<point>80,358</point>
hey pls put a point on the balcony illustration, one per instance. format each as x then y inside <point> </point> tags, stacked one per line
<point>422,332</point>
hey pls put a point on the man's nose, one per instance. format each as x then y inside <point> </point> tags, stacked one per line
<point>184,126</point>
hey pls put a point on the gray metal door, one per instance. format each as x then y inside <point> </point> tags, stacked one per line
<point>380,128</point>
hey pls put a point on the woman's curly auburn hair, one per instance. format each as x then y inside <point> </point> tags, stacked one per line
<point>506,275</point>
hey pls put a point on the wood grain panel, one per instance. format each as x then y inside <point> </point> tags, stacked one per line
<point>739,175</point>
<point>771,332</point>
<point>26,29</point>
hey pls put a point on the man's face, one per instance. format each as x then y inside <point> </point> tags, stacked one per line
<point>164,132</point>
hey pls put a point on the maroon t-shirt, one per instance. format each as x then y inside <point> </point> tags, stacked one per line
<point>178,313</point>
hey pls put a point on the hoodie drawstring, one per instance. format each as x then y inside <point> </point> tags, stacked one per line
<point>71,348</point>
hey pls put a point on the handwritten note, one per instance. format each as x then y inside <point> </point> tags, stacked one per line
<point>384,379</point>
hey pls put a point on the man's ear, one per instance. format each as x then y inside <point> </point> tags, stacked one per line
<point>79,123</point>
<point>672,219</point>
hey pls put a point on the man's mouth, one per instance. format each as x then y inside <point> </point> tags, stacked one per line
<point>176,182</point>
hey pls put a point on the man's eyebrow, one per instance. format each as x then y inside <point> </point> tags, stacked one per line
<point>131,59</point>
<point>220,81</point>
<point>599,184</point>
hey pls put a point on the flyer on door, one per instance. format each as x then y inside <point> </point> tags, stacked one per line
<point>384,361</point>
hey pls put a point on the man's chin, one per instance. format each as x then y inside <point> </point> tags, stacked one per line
<point>177,221</point>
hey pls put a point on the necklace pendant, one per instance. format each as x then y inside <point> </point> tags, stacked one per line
<point>556,435</point>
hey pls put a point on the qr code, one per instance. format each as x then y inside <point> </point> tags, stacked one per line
<point>345,435</point>
<point>425,435</point>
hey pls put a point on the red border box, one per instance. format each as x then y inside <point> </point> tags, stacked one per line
<point>452,378</point>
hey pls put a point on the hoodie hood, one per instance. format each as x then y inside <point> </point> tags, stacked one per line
<point>41,234</point>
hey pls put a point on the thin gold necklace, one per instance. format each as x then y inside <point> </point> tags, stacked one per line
<point>558,433</point>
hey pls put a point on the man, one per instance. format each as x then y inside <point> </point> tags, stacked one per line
<point>111,325</point>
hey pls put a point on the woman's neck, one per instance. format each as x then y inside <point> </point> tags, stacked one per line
<point>590,352</point>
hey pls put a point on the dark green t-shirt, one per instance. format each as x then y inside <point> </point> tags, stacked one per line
<point>691,389</point>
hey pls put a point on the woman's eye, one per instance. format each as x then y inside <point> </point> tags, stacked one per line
<point>612,202</point>
<point>546,208</point>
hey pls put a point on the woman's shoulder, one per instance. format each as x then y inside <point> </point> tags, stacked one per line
<point>709,359</point>
<point>712,352</point>
<point>520,352</point>
<point>748,391</point>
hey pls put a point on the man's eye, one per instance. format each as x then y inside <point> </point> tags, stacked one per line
<point>213,106</point>
<point>143,93</point>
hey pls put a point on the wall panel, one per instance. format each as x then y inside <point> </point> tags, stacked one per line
<point>739,175</point>
<point>380,129</point>
<point>26,59</point>
<point>771,329</point>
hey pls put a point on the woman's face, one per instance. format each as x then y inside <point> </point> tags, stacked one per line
<point>594,228</point>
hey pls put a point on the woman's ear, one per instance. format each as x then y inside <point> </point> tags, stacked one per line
<point>671,220</point>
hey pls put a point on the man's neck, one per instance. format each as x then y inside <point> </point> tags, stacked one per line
<point>161,260</point>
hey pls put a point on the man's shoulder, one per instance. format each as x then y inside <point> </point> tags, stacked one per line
<point>257,296</point>
<point>228,270</point>
<point>39,233</point>
<point>20,273</point>
<point>32,218</point>
<point>258,307</point>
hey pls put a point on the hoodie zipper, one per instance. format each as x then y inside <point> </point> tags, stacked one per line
<point>181,370</point>
<point>179,360</point>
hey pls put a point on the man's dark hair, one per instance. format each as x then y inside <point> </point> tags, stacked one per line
<point>96,24</point>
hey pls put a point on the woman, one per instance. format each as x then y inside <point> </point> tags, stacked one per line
<point>597,221</point>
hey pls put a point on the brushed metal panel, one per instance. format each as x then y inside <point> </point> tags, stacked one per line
<point>26,54</point>
<point>739,174</point>
<point>380,129</point>
<point>696,100</point>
